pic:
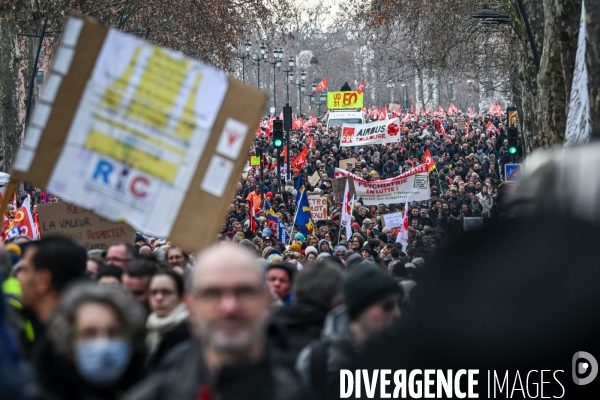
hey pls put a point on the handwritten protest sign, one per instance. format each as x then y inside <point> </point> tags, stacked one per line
<point>138,133</point>
<point>82,226</point>
<point>392,220</point>
<point>318,207</point>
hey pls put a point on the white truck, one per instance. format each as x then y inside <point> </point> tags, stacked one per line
<point>340,117</point>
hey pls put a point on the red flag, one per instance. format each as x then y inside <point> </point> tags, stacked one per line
<point>253,225</point>
<point>471,113</point>
<point>428,160</point>
<point>443,132</point>
<point>361,87</point>
<point>311,141</point>
<point>383,113</point>
<point>300,160</point>
<point>5,227</point>
<point>24,220</point>
<point>322,85</point>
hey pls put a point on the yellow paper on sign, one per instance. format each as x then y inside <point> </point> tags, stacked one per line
<point>344,100</point>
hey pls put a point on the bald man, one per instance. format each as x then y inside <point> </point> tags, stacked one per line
<point>229,306</point>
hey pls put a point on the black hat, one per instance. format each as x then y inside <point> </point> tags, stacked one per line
<point>109,270</point>
<point>287,267</point>
<point>383,237</point>
<point>364,286</point>
<point>368,248</point>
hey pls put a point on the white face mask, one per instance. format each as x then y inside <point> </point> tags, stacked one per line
<point>102,361</point>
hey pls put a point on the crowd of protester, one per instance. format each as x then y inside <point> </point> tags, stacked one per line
<point>250,317</point>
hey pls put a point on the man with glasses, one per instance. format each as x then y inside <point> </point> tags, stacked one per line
<point>229,308</point>
<point>120,254</point>
<point>371,304</point>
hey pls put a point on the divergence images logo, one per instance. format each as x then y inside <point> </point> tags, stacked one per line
<point>584,364</point>
<point>347,135</point>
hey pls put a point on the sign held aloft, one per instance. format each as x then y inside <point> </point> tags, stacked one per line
<point>138,133</point>
<point>82,226</point>
<point>339,100</point>
<point>378,132</point>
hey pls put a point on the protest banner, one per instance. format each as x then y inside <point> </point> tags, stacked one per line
<point>82,226</point>
<point>138,133</point>
<point>338,100</point>
<point>339,186</point>
<point>378,132</point>
<point>254,160</point>
<point>393,220</point>
<point>394,107</point>
<point>413,184</point>
<point>344,163</point>
<point>318,207</point>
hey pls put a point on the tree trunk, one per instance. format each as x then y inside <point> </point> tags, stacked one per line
<point>10,120</point>
<point>593,62</point>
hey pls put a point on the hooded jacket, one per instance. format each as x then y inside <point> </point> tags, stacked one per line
<point>342,350</point>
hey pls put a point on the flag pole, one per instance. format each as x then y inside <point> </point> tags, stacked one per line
<point>294,222</point>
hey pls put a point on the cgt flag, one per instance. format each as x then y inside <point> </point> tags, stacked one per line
<point>23,222</point>
<point>322,85</point>
<point>300,159</point>
<point>428,161</point>
<point>303,218</point>
<point>346,220</point>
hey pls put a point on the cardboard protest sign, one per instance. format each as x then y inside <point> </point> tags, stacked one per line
<point>461,124</point>
<point>318,207</point>
<point>413,184</point>
<point>393,220</point>
<point>314,179</point>
<point>339,100</point>
<point>339,186</point>
<point>82,226</point>
<point>344,163</point>
<point>378,132</point>
<point>139,133</point>
<point>394,107</point>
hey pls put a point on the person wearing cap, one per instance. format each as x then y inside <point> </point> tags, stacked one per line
<point>109,275</point>
<point>280,277</point>
<point>371,299</point>
<point>311,253</point>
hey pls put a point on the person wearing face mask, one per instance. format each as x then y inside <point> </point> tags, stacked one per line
<point>95,346</point>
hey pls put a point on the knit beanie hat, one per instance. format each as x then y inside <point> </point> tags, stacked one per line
<point>299,236</point>
<point>311,249</point>
<point>295,247</point>
<point>364,286</point>
<point>109,270</point>
<point>360,238</point>
<point>352,257</point>
<point>267,233</point>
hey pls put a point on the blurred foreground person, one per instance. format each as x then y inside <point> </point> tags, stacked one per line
<point>531,307</point>
<point>95,347</point>
<point>168,323</point>
<point>371,299</point>
<point>229,307</point>
<point>49,265</point>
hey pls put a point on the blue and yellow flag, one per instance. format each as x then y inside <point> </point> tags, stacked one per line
<point>273,222</point>
<point>303,214</point>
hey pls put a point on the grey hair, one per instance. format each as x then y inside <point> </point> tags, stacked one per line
<point>363,208</point>
<point>61,329</point>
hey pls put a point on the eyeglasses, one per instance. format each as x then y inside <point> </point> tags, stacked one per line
<point>214,295</point>
<point>119,259</point>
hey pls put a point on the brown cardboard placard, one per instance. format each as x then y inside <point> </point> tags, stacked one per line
<point>394,107</point>
<point>198,219</point>
<point>461,124</point>
<point>82,226</point>
<point>339,186</point>
<point>344,163</point>
<point>314,179</point>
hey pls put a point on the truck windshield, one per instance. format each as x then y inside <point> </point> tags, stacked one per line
<point>341,122</point>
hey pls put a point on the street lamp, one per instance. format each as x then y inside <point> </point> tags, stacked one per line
<point>322,100</point>
<point>289,74</point>
<point>301,88</point>
<point>247,46</point>
<point>260,57</point>
<point>276,63</point>
<point>312,94</point>
<point>491,17</point>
